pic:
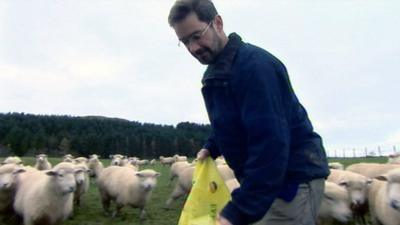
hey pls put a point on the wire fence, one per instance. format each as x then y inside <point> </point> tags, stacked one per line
<point>363,152</point>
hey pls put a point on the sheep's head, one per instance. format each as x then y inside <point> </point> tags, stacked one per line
<point>147,179</point>
<point>392,188</point>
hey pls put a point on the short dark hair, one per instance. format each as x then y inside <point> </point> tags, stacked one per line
<point>204,9</point>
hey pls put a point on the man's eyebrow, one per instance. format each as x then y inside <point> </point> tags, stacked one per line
<point>194,32</point>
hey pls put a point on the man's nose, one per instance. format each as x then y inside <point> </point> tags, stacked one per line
<point>193,47</point>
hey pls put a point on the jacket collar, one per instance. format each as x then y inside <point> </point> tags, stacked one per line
<point>222,65</point>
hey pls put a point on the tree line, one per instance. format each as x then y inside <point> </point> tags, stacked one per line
<point>26,135</point>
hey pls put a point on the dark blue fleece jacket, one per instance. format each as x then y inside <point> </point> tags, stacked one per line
<point>260,128</point>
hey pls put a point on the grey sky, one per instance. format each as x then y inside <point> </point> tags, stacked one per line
<point>121,59</point>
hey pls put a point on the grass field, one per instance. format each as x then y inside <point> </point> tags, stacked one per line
<point>90,212</point>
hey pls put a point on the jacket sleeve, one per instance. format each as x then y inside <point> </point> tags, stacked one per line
<point>264,103</point>
<point>211,145</point>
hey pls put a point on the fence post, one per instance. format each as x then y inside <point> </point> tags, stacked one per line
<point>379,151</point>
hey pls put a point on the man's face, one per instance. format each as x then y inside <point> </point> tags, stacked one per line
<point>200,38</point>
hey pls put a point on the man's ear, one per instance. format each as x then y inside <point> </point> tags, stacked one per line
<point>218,23</point>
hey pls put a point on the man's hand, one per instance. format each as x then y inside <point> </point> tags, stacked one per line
<point>222,221</point>
<point>203,154</point>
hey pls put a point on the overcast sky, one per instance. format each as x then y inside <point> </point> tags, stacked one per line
<point>121,59</point>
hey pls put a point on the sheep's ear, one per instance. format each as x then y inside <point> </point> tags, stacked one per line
<point>382,177</point>
<point>369,181</point>
<point>78,170</point>
<point>51,173</point>
<point>111,156</point>
<point>19,170</point>
<point>20,163</point>
<point>139,174</point>
<point>88,171</point>
<point>343,183</point>
<point>157,174</point>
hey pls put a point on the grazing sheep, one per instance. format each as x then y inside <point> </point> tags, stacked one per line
<point>42,163</point>
<point>179,158</point>
<point>95,166</point>
<point>336,165</point>
<point>384,199</point>
<point>166,160</point>
<point>45,197</point>
<point>68,158</point>
<point>8,181</point>
<point>117,160</point>
<point>142,162</point>
<point>12,160</point>
<point>371,170</point>
<point>335,205</point>
<point>153,162</point>
<point>126,186</point>
<point>184,183</point>
<point>82,182</point>
<point>357,188</point>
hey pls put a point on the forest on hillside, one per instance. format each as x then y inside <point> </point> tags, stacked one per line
<point>27,134</point>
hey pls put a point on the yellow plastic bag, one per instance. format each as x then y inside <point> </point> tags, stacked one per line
<point>208,196</point>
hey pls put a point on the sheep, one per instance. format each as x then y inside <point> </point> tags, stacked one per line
<point>117,160</point>
<point>356,186</point>
<point>126,186</point>
<point>42,163</point>
<point>82,182</point>
<point>12,160</point>
<point>184,183</point>
<point>335,205</point>
<point>166,160</point>
<point>336,165</point>
<point>46,197</point>
<point>153,162</point>
<point>371,170</point>
<point>81,160</point>
<point>68,158</point>
<point>176,168</point>
<point>95,166</point>
<point>394,158</point>
<point>142,162</point>
<point>179,158</point>
<point>8,181</point>
<point>384,198</point>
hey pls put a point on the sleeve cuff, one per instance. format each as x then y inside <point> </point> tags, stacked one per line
<point>233,214</point>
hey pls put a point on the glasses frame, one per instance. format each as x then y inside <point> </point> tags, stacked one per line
<point>187,41</point>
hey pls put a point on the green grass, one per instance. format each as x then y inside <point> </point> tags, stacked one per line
<point>91,213</point>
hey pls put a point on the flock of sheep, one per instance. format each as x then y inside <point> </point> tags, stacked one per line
<point>349,195</point>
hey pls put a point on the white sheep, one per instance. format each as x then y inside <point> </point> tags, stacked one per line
<point>82,182</point>
<point>166,160</point>
<point>12,160</point>
<point>81,160</point>
<point>179,158</point>
<point>394,158</point>
<point>335,205</point>
<point>118,160</point>
<point>153,162</point>
<point>42,162</point>
<point>126,186</point>
<point>371,170</point>
<point>176,168</point>
<point>95,166</point>
<point>45,197</point>
<point>357,188</point>
<point>8,181</point>
<point>384,199</point>
<point>68,158</point>
<point>184,184</point>
<point>336,165</point>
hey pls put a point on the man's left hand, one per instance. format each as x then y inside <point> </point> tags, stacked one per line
<point>222,221</point>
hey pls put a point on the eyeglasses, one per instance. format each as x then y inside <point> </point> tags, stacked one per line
<point>196,36</point>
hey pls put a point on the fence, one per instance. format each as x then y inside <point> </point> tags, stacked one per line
<point>364,152</point>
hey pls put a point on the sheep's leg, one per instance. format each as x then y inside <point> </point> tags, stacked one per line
<point>142,214</point>
<point>106,204</point>
<point>118,208</point>
<point>177,193</point>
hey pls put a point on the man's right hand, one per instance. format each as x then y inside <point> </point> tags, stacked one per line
<point>203,154</point>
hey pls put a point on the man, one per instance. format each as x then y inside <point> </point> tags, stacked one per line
<point>257,123</point>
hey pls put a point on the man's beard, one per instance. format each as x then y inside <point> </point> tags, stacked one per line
<point>204,55</point>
